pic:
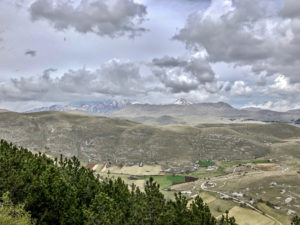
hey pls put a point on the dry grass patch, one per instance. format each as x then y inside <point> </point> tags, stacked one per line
<point>136,170</point>
<point>267,166</point>
<point>245,216</point>
<point>283,218</point>
<point>207,198</point>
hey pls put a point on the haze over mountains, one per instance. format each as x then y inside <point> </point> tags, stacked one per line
<point>180,108</point>
<point>99,107</point>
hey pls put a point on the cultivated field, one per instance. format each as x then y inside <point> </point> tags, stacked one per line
<point>135,170</point>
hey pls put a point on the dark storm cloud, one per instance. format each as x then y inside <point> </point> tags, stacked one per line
<point>31,53</point>
<point>103,17</point>
<point>250,33</point>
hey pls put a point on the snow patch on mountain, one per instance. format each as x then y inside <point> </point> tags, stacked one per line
<point>99,107</point>
<point>182,101</point>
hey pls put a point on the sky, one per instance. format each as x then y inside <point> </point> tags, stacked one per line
<point>243,52</point>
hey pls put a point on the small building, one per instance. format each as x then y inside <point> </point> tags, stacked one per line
<point>225,197</point>
<point>91,166</point>
<point>237,194</point>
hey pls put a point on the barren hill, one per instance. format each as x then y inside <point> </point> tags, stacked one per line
<point>101,139</point>
<point>3,110</point>
<point>220,109</point>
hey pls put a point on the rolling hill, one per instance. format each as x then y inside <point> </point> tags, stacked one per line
<point>179,112</point>
<point>217,110</point>
<point>102,139</point>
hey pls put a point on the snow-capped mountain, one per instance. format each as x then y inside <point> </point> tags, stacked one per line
<point>182,101</point>
<point>99,107</point>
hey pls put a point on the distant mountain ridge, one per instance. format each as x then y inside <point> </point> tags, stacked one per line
<point>252,109</point>
<point>99,107</point>
<point>219,109</point>
<point>3,110</point>
<point>180,108</point>
<point>198,109</point>
<point>294,111</point>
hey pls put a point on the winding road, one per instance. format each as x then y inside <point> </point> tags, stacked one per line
<point>204,188</point>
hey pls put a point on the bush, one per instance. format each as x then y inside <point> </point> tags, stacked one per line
<point>205,163</point>
<point>11,214</point>
<point>270,204</point>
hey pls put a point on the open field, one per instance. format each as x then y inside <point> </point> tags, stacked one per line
<point>273,212</point>
<point>247,216</point>
<point>135,170</point>
<point>167,181</point>
<point>165,120</point>
<point>257,184</point>
<point>207,198</point>
<point>205,163</point>
<point>273,188</point>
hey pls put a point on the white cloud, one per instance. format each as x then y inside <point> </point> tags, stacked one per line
<point>248,32</point>
<point>240,88</point>
<point>184,74</point>
<point>102,17</point>
<point>277,105</point>
<point>242,51</point>
<point>113,78</point>
<point>282,85</point>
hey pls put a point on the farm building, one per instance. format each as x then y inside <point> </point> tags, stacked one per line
<point>91,166</point>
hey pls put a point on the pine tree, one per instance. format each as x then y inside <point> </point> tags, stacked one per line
<point>296,220</point>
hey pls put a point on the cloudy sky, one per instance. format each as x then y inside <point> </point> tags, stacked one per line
<point>244,52</point>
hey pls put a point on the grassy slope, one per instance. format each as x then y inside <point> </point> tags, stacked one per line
<point>102,138</point>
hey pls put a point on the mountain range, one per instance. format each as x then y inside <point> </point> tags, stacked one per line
<point>181,108</point>
<point>98,107</point>
<point>202,110</point>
